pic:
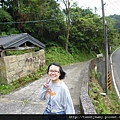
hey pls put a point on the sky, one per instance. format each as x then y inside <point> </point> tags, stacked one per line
<point>111,7</point>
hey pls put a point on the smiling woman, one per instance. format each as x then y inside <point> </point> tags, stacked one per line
<point>56,92</point>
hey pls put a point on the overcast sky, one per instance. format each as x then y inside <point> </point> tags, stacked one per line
<point>111,6</point>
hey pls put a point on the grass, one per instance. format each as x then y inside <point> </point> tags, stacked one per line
<point>103,104</point>
<point>57,54</point>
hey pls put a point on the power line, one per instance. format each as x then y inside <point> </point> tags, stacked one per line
<point>113,2</point>
<point>117,3</point>
<point>25,22</point>
<point>111,9</point>
<point>107,11</point>
<point>113,5</point>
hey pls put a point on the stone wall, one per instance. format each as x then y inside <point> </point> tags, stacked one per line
<point>14,67</point>
<point>98,64</point>
<point>86,105</point>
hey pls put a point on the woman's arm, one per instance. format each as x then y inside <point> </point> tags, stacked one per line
<point>42,93</point>
<point>69,106</point>
<point>67,102</point>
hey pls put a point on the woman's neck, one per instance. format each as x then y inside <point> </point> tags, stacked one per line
<point>56,81</point>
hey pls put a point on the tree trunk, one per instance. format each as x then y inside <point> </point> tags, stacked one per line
<point>68,24</point>
<point>67,39</point>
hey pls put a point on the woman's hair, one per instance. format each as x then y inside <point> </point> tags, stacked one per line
<point>62,73</point>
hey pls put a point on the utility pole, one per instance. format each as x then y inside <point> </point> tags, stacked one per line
<point>106,47</point>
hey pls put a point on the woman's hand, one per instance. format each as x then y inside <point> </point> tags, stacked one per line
<point>46,84</point>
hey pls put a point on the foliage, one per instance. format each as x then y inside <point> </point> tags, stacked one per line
<point>87,30</point>
<point>116,19</point>
<point>45,21</point>
<point>103,104</point>
<point>64,58</point>
<point>19,52</point>
<point>4,15</point>
<point>6,29</point>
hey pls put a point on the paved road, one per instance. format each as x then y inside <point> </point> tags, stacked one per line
<point>116,70</point>
<point>25,100</point>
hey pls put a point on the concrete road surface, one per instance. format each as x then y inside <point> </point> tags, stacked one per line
<point>115,67</point>
<point>25,99</point>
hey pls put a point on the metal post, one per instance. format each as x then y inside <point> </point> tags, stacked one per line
<point>106,47</point>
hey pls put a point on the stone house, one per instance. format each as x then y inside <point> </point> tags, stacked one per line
<point>14,67</point>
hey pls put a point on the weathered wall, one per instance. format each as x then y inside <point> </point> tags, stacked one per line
<point>86,105</point>
<point>14,67</point>
<point>99,65</point>
<point>2,70</point>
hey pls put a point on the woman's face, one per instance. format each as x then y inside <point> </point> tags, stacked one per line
<point>54,72</point>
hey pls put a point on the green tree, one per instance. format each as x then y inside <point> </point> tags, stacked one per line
<point>73,28</point>
<point>113,34</point>
<point>67,12</point>
<point>4,27</point>
<point>46,19</point>
<point>86,32</point>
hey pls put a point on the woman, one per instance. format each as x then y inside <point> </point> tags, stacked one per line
<point>56,92</point>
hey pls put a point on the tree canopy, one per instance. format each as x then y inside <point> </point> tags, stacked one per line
<point>44,20</point>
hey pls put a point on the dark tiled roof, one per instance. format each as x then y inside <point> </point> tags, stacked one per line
<point>19,39</point>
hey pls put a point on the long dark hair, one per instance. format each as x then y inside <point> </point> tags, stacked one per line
<point>62,73</point>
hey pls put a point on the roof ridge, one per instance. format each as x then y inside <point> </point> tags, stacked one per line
<point>12,35</point>
<point>15,40</point>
